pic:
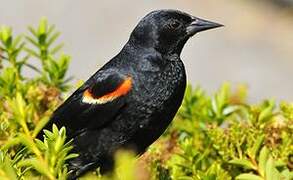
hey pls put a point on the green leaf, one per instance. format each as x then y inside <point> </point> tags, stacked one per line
<point>246,176</point>
<point>20,104</point>
<point>40,145</point>
<point>48,134</point>
<point>51,29</point>
<point>6,168</point>
<point>32,41</point>
<point>37,165</point>
<point>271,172</point>
<point>263,157</point>
<point>230,109</point>
<point>33,31</point>
<point>57,49</point>
<point>287,175</point>
<point>43,26</point>
<point>5,33</point>
<point>53,38</point>
<point>125,162</point>
<point>10,143</point>
<point>267,112</point>
<point>28,142</point>
<point>16,42</point>
<point>256,146</point>
<point>32,67</point>
<point>71,156</point>
<point>243,162</point>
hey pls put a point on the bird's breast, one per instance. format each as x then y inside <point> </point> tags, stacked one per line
<point>154,105</point>
<point>157,95</point>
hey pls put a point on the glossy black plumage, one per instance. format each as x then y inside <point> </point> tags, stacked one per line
<point>151,58</point>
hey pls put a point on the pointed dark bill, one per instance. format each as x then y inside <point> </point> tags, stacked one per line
<point>198,25</point>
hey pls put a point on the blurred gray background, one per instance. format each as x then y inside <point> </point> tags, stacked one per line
<point>255,47</point>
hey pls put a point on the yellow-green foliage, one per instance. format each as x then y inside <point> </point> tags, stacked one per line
<point>27,103</point>
<point>223,137</point>
<point>212,137</point>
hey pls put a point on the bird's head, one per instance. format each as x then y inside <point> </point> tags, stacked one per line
<point>168,30</point>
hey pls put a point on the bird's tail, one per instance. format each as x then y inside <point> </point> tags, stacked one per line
<point>77,168</point>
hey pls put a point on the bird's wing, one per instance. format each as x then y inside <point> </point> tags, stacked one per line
<point>94,104</point>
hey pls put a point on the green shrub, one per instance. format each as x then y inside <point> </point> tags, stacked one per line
<point>27,104</point>
<point>223,137</point>
<point>212,137</point>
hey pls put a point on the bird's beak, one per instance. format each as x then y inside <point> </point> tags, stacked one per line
<point>198,25</point>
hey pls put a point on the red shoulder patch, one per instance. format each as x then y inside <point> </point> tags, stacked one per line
<point>121,90</point>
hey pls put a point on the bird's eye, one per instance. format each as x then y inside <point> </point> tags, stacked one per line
<point>174,24</point>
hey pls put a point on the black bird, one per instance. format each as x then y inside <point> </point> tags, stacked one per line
<point>131,100</point>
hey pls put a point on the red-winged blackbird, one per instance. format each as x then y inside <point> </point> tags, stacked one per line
<point>131,100</point>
